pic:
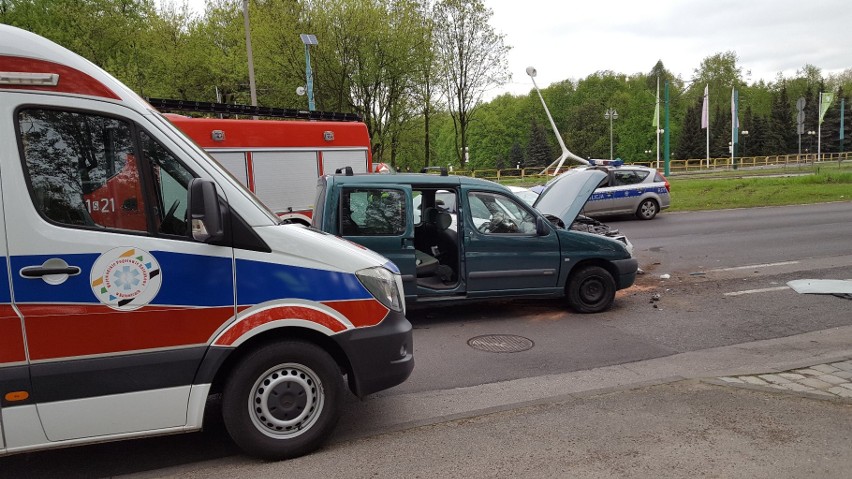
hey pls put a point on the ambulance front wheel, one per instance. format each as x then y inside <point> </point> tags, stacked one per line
<point>282,400</point>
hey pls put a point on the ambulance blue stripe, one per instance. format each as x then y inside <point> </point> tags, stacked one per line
<point>631,193</point>
<point>260,282</point>
<point>194,280</point>
<point>207,280</point>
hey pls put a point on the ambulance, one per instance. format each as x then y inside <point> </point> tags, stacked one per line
<point>279,159</point>
<point>140,277</point>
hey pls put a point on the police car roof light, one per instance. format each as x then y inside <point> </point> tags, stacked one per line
<point>616,163</point>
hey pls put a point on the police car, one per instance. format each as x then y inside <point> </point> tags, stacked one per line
<point>627,189</point>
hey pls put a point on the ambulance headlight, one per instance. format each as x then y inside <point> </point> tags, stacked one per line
<point>382,284</point>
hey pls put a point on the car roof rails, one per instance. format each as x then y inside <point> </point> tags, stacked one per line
<point>443,170</point>
<point>346,170</point>
<point>248,110</point>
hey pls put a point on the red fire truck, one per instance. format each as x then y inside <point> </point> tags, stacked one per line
<point>278,160</point>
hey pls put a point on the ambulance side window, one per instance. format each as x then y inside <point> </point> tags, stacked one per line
<point>171,182</point>
<point>82,169</point>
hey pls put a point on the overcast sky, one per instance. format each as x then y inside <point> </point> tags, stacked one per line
<point>570,39</point>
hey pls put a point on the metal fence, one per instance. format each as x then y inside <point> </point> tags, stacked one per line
<point>676,167</point>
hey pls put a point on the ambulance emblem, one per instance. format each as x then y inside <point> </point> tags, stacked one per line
<point>126,278</point>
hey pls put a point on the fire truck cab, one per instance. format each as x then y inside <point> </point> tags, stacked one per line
<point>139,277</point>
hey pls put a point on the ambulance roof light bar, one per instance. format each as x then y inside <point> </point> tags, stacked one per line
<point>27,78</point>
<point>248,110</point>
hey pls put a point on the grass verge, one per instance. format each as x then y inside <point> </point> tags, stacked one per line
<point>692,194</point>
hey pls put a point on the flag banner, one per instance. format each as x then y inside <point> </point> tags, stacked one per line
<point>825,102</point>
<point>705,108</point>
<point>735,118</point>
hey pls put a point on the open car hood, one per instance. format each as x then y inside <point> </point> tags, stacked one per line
<point>565,195</point>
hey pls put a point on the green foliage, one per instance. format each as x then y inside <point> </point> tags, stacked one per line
<point>419,83</point>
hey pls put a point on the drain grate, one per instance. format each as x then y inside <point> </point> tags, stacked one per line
<point>500,343</point>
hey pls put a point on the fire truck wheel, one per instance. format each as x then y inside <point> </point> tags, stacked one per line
<point>282,400</point>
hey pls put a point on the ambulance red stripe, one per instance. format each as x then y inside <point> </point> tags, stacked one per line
<point>63,331</point>
<point>11,339</point>
<point>70,80</point>
<point>277,313</point>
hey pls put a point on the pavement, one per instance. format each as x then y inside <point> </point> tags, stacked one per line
<point>774,408</point>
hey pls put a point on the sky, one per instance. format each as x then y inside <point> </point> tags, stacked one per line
<point>571,39</point>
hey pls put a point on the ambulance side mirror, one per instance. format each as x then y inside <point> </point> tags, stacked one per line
<point>205,215</point>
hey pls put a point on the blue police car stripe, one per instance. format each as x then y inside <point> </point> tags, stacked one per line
<point>628,193</point>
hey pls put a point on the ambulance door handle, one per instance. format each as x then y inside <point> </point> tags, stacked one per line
<point>54,271</point>
<point>39,271</point>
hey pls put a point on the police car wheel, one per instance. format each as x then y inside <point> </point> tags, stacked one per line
<point>282,400</point>
<point>647,210</point>
<point>590,290</point>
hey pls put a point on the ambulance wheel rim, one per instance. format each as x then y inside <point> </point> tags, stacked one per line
<point>286,400</point>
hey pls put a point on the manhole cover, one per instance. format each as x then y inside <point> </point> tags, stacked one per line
<point>500,343</point>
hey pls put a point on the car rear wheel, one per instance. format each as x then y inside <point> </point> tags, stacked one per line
<point>282,400</point>
<point>590,290</point>
<point>648,209</point>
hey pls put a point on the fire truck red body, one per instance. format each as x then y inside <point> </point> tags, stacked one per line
<point>280,160</point>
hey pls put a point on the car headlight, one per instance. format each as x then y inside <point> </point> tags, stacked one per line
<point>382,284</point>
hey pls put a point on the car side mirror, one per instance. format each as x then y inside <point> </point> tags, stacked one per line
<point>541,226</point>
<point>205,215</point>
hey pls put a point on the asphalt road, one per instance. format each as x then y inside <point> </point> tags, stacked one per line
<point>726,286</point>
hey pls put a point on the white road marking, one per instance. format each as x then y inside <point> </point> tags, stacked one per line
<point>761,290</point>
<point>751,266</point>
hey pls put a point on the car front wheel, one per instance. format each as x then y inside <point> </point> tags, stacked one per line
<point>590,290</point>
<point>282,400</point>
<point>648,209</point>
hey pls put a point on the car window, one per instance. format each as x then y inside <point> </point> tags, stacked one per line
<point>496,213</point>
<point>629,177</point>
<point>372,212</point>
<point>82,169</point>
<point>171,181</point>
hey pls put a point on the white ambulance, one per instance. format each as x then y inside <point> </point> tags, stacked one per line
<point>139,277</point>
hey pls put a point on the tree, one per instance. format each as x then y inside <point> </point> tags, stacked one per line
<point>539,152</point>
<point>473,57</point>
<point>781,137</point>
<point>516,156</point>
<point>692,140</point>
<point>374,51</point>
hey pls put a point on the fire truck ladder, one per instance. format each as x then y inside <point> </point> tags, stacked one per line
<point>248,110</point>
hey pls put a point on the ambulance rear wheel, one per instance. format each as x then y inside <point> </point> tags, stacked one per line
<point>647,210</point>
<point>282,400</point>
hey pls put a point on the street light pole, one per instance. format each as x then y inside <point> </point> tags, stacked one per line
<point>252,87</point>
<point>610,115</point>
<point>309,40</point>
<point>531,71</point>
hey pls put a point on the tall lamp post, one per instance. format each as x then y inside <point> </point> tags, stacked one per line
<point>610,115</point>
<point>309,40</point>
<point>745,135</point>
<point>531,71</point>
<point>252,88</point>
